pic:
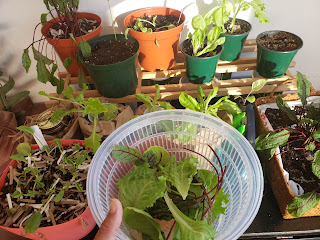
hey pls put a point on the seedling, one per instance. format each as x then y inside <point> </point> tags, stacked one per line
<point>152,103</point>
<point>256,86</point>
<point>307,132</point>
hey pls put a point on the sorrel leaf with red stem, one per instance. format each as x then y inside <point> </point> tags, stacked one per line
<point>303,203</point>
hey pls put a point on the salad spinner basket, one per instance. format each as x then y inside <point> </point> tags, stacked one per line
<point>175,130</point>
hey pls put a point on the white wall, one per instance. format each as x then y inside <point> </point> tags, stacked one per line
<point>18,19</point>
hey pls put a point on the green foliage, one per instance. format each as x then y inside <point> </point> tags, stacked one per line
<point>92,106</point>
<point>316,164</point>
<point>33,223</point>
<point>67,62</point>
<point>303,86</point>
<point>303,203</point>
<point>143,222</point>
<point>202,104</point>
<point>123,153</point>
<point>284,107</point>
<point>6,102</point>
<point>152,103</point>
<point>141,187</point>
<point>272,139</point>
<point>190,229</point>
<point>180,174</point>
<point>203,41</point>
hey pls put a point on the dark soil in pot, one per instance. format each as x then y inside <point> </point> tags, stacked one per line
<point>161,22</point>
<point>240,27</point>
<point>298,163</point>
<point>281,42</point>
<point>188,49</point>
<point>83,27</point>
<point>111,51</point>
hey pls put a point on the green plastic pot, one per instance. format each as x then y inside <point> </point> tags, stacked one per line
<point>273,64</point>
<point>114,80</point>
<point>200,70</point>
<point>233,44</point>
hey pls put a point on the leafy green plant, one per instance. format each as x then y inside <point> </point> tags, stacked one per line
<point>203,41</point>
<point>256,86</point>
<point>35,182</point>
<point>221,13</point>
<point>160,187</point>
<point>152,103</point>
<point>91,106</point>
<point>70,26</point>
<point>8,103</point>
<point>306,132</point>
<point>202,104</point>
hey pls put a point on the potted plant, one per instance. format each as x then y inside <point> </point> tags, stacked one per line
<point>276,50</point>
<point>291,143</point>
<point>158,30</point>
<point>57,31</point>
<point>43,191</point>
<point>202,49</point>
<point>8,118</point>
<point>236,30</point>
<point>151,104</point>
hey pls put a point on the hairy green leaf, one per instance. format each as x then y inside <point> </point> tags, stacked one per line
<point>24,149</point>
<point>94,106</point>
<point>272,139</point>
<point>284,107</point>
<point>141,187</point>
<point>316,164</point>
<point>33,223</point>
<point>303,203</point>
<point>26,61</point>
<point>165,105</point>
<point>143,222</point>
<point>111,113</point>
<point>123,153</point>
<point>67,62</point>
<point>190,229</point>
<point>303,86</point>
<point>93,142</point>
<point>180,174</point>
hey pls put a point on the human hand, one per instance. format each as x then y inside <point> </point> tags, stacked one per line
<point>110,226</point>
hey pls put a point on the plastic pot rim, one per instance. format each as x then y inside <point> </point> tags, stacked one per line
<point>113,64</point>
<point>273,32</point>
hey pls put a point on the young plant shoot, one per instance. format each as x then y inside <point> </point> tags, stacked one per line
<point>306,131</point>
<point>161,188</point>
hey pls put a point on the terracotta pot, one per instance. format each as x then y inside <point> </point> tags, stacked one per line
<point>160,56</point>
<point>68,230</point>
<point>66,47</point>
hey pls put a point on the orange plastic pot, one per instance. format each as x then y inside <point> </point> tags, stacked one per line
<point>66,231</point>
<point>158,50</point>
<point>66,47</point>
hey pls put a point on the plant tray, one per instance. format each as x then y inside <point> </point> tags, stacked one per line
<point>279,185</point>
<point>172,91</point>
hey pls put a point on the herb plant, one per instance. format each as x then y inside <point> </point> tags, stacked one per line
<point>160,187</point>
<point>41,179</point>
<point>221,13</point>
<point>91,106</point>
<point>305,131</point>
<point>66,11</point>
<point>256,86</point>
<point>202,104</point>
<point>152,103</point>
<point>203,41</point>
<point>8,103</point>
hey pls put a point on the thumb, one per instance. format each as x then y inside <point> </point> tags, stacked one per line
<point>110,226</point>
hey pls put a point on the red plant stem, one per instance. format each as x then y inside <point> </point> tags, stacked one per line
<point>216,157</point>
<point>174,223</point>
<point>295,149</point>
<point>297,140</point>
<point>209,203</point>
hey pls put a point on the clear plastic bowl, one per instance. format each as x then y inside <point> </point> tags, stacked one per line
<point>175,129</point>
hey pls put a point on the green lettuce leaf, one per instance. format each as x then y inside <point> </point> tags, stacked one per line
<point>143,222</point>
<point>141,188</point>
<point>180,174</point>
<point>190,229</point>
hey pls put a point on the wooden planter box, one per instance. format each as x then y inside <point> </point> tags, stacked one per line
<point>279,185</point>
